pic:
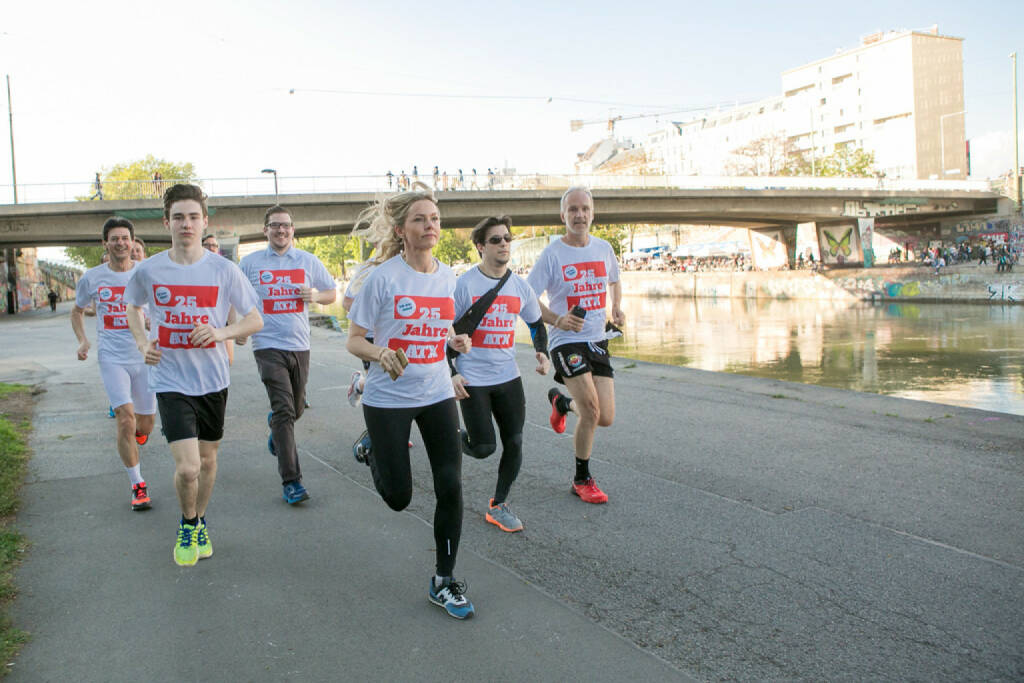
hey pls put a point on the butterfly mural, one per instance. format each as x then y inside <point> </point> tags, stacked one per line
<point>841,245</point>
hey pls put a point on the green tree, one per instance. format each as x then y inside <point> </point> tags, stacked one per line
<point>849,162</point>
<point>455,246</point>
<point>138,179</point>
<point>133,180</point>
<point>611,234</point>
<point>333,250</point>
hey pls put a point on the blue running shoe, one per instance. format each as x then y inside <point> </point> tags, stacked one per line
<point>294,492</point>
<point>451,596</point>
<point>362,448</point>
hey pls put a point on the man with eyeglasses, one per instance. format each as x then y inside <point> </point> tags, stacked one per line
<point>487,381</point>
<point>287,279</point>
<point>210,243</point>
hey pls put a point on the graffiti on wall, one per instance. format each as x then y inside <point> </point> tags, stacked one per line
<point>1012,292</point>
<point>839,245</point>
<point>769,248</point>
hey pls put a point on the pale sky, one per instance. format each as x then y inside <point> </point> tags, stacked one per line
<point>103,82</point>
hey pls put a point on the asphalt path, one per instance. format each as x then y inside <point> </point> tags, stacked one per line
<point>755,530</point>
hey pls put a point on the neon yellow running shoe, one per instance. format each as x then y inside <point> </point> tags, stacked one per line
<point>203,541</point>
<point>186,548</point>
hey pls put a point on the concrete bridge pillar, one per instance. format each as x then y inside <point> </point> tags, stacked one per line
<point>807,241</point>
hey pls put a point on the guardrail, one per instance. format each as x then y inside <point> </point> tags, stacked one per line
<point>37,193</point>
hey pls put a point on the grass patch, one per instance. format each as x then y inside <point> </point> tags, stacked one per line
<point>930,420</point>
<point>779,396</point>
<point>15,422</point>
<point>891,415</point>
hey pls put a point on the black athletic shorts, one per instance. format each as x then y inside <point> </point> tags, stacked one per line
<point>191,417</point>
<point>573,360</point>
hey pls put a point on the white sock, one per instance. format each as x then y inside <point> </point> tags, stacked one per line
<point>438,580</point>
<point>135,474</point>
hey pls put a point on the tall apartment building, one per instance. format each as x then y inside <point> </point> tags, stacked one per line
<point>898,94</point>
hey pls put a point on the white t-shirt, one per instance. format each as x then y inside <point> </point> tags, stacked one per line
<point>277,279</point>
<point>114,341</point>
<point>412,311</point>
<point>492,360</point>
<point>181,297</point>
<point>576,275</point>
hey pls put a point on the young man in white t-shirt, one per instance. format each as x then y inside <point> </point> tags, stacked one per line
<point>190,291</point>
<point>122,368</point>
<point>286,279</point>
<point>580,273</point>
<point>487,380</point>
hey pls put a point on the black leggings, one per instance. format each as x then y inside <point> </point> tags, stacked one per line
<point>508,405</point>
<point>392,476</point>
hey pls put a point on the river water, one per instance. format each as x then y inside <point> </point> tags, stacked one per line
<point>965,355</point>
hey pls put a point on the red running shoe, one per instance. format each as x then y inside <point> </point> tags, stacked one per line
<point>587,490</point>
<point>141,439</point>
<point>557,416</point>
<point>140,498</point>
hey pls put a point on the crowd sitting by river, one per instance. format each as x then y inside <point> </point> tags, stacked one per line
<point>1002,256</point>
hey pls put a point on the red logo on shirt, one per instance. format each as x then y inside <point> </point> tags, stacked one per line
<point>588,270</point>
<point>107,293</point>
<point>497,329</point>
<point>278,306</point>
<point>295,277</point>
<point>115,322</point>
<point>192,296</point>
<point>420,351</point>
<point>424,307</point>
<point>491,339</point>
<point>590,302</point>
<point>177,338</point>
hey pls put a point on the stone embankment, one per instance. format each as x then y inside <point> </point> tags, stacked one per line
<point>968,283</point>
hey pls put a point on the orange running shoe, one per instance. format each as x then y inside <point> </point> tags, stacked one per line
<point>557,416</point>
<point>141,439</point>
<point>140,498</point>
<point>587,491</point>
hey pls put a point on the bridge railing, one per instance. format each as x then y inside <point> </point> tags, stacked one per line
<point>263,186</point>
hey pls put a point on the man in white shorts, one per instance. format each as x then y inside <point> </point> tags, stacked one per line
<point>189,291</point>
<point>286,279</point>
<point>121,365</point>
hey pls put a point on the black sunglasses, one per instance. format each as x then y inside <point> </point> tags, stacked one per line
<point>496,239</point>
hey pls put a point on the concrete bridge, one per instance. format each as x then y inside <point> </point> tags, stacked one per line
<point>78,222</point>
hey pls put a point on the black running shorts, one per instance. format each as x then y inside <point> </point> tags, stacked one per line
<point>191,417</point>
<point>573,360</point>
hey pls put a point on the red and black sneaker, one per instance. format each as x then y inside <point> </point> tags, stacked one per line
<point>557,416</point>
<point>140,498</point>
<point>588,492</point>
<point>141,439</point>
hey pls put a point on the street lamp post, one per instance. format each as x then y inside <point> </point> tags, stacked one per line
<point>274,171</point>
<point>942,143</point>
<point>1016,140</point>
<point>10,120</point>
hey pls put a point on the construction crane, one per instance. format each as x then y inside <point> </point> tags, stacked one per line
<point>577,124</point>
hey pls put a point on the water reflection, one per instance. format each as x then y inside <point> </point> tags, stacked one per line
<point>968,355</point>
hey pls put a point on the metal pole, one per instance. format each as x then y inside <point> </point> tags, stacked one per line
<point>1016,138</point>
<point>10,120</point>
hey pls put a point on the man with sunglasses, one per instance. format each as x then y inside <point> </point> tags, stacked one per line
<point>487,380</point>
<point>287,279</point>
<point>580,274</point>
